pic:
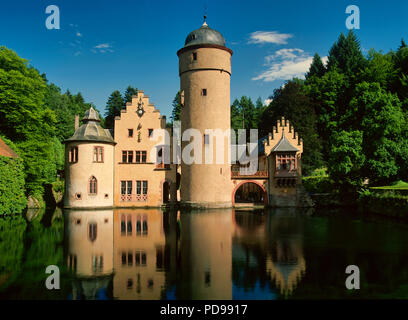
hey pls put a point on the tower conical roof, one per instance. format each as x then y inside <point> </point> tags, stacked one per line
<point>91,129</point>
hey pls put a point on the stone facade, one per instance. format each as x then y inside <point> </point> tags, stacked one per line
<point>138,160</point>
<point>205,73</point>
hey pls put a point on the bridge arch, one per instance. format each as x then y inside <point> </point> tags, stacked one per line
<point>239,190</point>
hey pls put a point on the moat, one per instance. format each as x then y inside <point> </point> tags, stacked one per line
<point>219,254</point>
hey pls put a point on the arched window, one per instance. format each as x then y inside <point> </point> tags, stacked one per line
<point>93,185</point>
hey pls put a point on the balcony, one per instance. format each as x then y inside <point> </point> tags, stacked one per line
<point>162,166</point>
<point>236,174</point>
<point>286,173</point>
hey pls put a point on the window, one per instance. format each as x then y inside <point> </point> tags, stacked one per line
<point>160,155</point>
<point>126,227</point>
<point>141,186</point>
<point>203,92</point>
<point>130,157</point>
<point>194,56</point>
<point>97,264</point>
<point>141,156</point>
<point>129,225</point>
<point>130,133</point>
<point>150,132</point>
<point>98,154</point>
<point>127,156</point>
<point>286,162</point>
<point>93,185</point>
<point>72,262</point>
<point>73,155</point>
<point>206,139</point>
<point>92,231</point>
<point>129,187</point>
<point>141,225</point>
<point>140,258</point>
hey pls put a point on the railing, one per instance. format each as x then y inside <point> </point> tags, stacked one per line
<point>285,173</point>
<point>162,166</point>
<point>133,197</point>
<point>258,174</point>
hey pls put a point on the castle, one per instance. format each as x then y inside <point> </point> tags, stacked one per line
<point>129,169</point>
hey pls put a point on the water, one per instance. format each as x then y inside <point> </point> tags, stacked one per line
<point>219,254</point>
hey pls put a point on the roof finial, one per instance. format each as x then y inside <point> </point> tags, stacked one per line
<point>205,22</point>
<point>205,16</point>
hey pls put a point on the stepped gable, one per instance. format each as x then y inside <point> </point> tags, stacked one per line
<point>283,138</point>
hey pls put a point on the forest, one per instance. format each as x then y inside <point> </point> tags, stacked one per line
<point>352,113</point>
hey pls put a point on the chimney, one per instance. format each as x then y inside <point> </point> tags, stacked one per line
<point>76,122</point>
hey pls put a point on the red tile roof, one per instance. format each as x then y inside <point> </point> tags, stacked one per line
<point>6,151</point>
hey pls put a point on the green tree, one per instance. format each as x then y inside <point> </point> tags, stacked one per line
<point>317,67</point>
<point>25,119</point>
<point>12,184</point>
<point>378,114</point>
<point>129,93</point>
<point>346,158</point>
<point>176,108</point>
<point>346,55</point>
<point>292,102</point>
<point>113,107</point>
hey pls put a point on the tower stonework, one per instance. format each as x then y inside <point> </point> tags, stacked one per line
<point>205,71</point>
<point>89,155</point>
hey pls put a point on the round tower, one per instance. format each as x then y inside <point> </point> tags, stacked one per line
<point>205,71</point>
<point>89,165</point>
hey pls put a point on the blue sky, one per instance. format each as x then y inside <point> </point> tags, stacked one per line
<point>106,45</point>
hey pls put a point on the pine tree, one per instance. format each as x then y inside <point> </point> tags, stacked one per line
<point>317,67</point>
<point>130,91</point>
<point>113,107</point>
<point>346,55</point>
<point>403,44</point>
<point>176,104</point>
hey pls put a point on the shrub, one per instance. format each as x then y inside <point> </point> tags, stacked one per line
<point>12,191</point>
<point>318,184</point>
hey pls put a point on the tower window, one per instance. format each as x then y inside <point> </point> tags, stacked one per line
<point>206,139</point>
<point>150,133</point>
<point>92,231</point>
<point>203,92</point>
<point>130,133</point>
<point>73,155</point>
<point>98,154</point>
<point>194,56</point>
<point>93,185</point>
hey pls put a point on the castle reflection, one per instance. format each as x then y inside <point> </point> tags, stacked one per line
<point>215,254</point>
